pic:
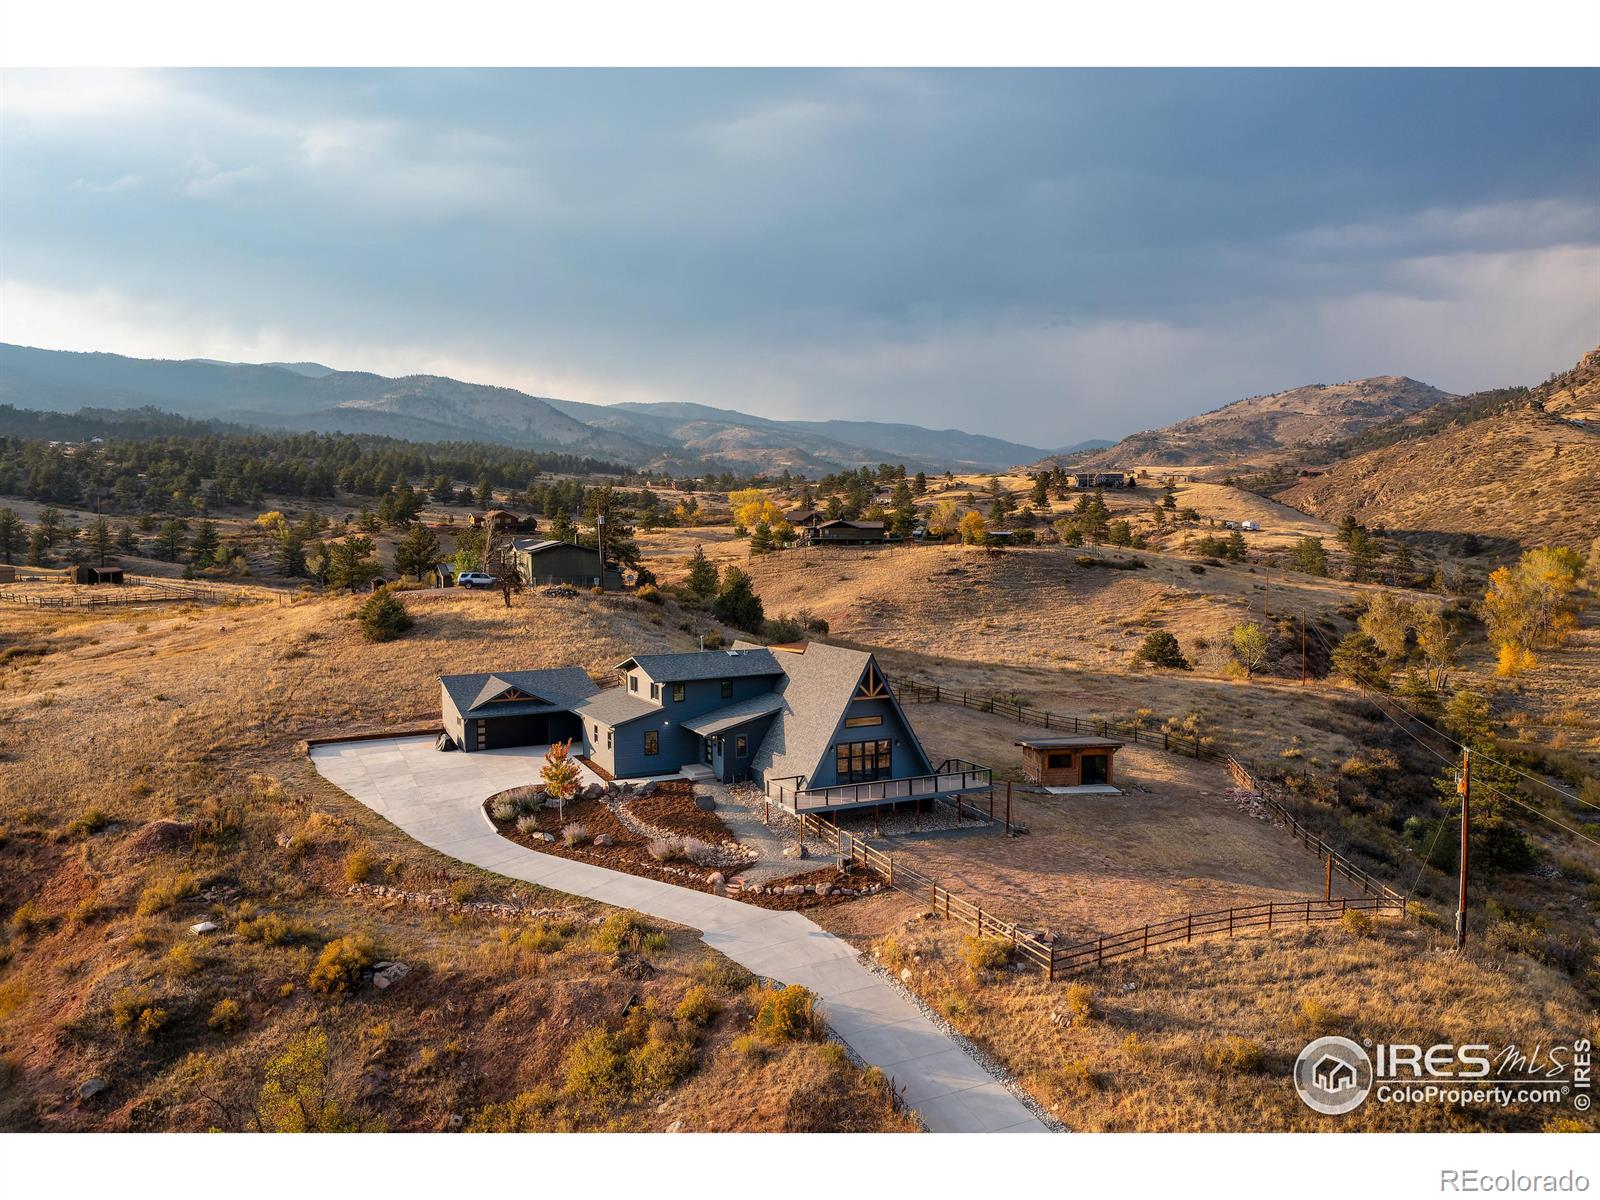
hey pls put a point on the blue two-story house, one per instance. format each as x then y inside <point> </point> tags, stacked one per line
<point>816,725</point>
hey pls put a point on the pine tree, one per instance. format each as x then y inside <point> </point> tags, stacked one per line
<point>761,538</point>
<point>172,538</point>
<point>416,552</point>
<point>702,574</point>
<point>737,602</point>
<point>205,543</point>
<point>99,541</point>
<point>12,537</point>
<point>350,563</point>
<point>485,494</point>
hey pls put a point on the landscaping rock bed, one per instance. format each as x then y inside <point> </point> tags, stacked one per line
<point>610,842</point>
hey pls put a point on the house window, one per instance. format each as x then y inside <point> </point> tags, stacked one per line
<point>608,739</point>
<point>652,742</point>
<point>633,683</point>
<point>655,691</point>
<point>862,762</point>
<point>861,722</point>
<point>740,746</point>
<point>677,693</point>
<point>727,689</point>
<point>1059,760</point>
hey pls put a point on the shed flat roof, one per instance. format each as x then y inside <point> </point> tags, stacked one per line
<point>1069,742</point>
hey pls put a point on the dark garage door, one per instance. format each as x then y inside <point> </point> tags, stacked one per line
<point>499,732</point>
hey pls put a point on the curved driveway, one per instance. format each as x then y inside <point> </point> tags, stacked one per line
<point>438,800</point>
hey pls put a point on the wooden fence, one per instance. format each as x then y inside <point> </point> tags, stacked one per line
<point>142,589</point>
<point>1024,714</point>
<point>1106,947</point>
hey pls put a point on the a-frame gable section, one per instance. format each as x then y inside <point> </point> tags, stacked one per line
<point>872,685</point>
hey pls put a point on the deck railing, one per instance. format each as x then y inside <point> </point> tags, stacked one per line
<point>953,777</point>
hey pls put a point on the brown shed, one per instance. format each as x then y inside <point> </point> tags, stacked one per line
<point>8,573</point>
<point>1069,761</point>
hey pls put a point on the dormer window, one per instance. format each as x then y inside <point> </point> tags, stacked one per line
<point>655,691</point>
<point>727,689</point>
<point>633,683</point>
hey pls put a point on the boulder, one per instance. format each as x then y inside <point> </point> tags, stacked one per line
<point>704,802</point>
<point>545,837</point>
<point>794,889</point>
<point>603,839</point>
<point>647,788</point>
<point>717,879</point>
<point>798,850</point>
<point>90,1088</point>
<point>445,742</point>
<point>203,928</point>
<point>593,791</point>
<point>387,974</point>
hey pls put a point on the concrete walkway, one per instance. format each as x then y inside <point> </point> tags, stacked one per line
<point>438,798</point>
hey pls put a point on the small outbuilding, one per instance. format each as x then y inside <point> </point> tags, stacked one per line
<point>93,575</point>
<point>1078,760</point>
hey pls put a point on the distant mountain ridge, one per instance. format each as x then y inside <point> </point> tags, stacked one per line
<point>1261,428</point>
<point>1519,463</point>
<point>310,396</point>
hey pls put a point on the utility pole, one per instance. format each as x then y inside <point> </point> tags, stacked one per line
<point>1302,650</point>
<point>1464,786</point>
<point>600,541</point>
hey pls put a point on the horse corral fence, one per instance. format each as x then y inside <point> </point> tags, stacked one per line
<point>1055,956</point>
<point>137,589</point>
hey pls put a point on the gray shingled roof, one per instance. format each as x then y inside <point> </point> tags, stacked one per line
<point>614,707</point>
<point>723,719</point>
<point>559,689</point>
<point>705,664</point>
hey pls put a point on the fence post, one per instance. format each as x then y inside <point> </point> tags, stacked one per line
<point>1100,951</point>
<point>1270,907</point>
<point>1230,922</point>
<point>1146,949</point>
<point>1188,927</point>
<point>1308,912</point>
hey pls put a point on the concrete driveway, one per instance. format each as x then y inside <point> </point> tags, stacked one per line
<point>438,800</point>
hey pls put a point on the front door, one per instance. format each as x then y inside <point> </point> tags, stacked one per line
<point>1094,768</point>
<point>708,746</point>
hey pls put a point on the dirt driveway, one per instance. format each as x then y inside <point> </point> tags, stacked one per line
<point>1172,843</point>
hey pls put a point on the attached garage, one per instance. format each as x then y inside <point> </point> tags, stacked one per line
<point>513,708</point>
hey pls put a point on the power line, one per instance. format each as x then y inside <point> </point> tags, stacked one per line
<point>1448,760</point>
<point>1576,799</point>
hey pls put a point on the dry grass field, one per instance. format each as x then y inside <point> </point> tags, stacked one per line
<point>1203,1037</point>
<point>1173,843</point>
<point>152,779</point>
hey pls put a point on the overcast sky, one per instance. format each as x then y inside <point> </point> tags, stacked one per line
<point>1048,256</point>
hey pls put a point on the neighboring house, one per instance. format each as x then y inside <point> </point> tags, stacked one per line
<point>816,725</point>
<point>501,521</point>
<point>817,529</point>
<point>1104,479</point>
<point>540,560</point>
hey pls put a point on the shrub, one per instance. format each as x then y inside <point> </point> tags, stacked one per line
<point>623,932</point>
<point>698,1006</point>
<point>1079,1002</point>
<point>1135,1047</point>
<point>1073,1077</point>
<point>723,974</point>
<point>91,820</point>
<point>1356,922</point>
<point>359,865</point>
<point>1317,1017</point>
<point>783,629</point>
<point>700,853</point>
<point>527,823</point>
<point>339,966</point>
<point>182,960</point>
<point>383,617</point>
<point>650,593</point>
<point>788,1014</point>
<point>596,1069</point>
<point>574,834</point>
<point>986,953</point>
<point>28,920</point>
<point>462,892</point>
<point>1235,1054</point>
<point>227,1016</point>
<point>833,1056</point>
<point>503,810</point>
<point>747,1045</point>
<point>165,893</point>
<point>134,1011</point>
<point>661,1059</point>
<point>1421,912</point>
<point>1160,649</point>
<point>665,849</point>
<point>272,930</point>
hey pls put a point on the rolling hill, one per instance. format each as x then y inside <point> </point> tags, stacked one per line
<point>1517,465</point>
<point>1261,429</point>
<point>309,396</point>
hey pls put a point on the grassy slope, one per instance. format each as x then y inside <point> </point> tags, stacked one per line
<point>195,716</point>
